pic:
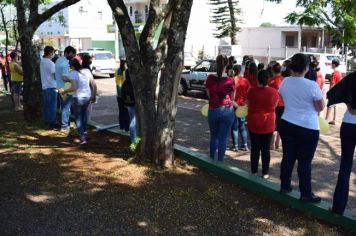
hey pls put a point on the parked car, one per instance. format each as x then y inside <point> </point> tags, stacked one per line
<point>102,62</point>
<point>325,60</point>
<point>196,77</point>
<point>189,60</point>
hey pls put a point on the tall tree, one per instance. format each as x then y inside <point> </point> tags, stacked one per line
<point>29,19</point>
<point>226,18</point>
<point>155,114</point>
<point>338,16</point>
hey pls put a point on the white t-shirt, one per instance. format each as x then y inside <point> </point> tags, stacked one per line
<point>349,118</point>
<point>47,70</point>
<point>82,81</point>
<point>299,95</point>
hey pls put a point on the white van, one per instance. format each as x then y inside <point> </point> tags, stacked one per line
<point>325,60</point>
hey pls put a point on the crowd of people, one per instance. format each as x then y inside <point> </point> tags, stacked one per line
<point>284,102</point>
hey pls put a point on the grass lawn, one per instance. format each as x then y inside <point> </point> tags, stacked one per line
<point>50,186</point>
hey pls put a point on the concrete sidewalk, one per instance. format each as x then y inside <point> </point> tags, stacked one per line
<point>192,131</point>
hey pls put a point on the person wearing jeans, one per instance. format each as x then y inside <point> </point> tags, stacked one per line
<point>299,127</point>
<point>49,91</point>
<point>132,115</point>
<point>238,126</point>
<point>80,106</point>
<point>262,101</point>
<point>221,91</point>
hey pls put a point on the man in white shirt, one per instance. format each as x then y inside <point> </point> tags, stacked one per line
<point>49,88</point>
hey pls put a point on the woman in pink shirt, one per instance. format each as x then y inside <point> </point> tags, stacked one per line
<point>221,91</point>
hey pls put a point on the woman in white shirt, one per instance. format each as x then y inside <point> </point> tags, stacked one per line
<point>299,127</point>
<point>348,144</point>
<point>80,84</point>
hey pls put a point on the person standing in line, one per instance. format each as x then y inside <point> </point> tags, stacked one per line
<point>335,78</point>
<point>49,88</point>
<point>16,74</point>
<point>262,101</point>
<point>124,120</point>
<point>80,85</point>
<point>275,82</point>
<point>61,70</point>
<point>230,64</point>
<point>127,94</point>
<point>348,144</point>
<point>86,70</point>
<point>238,126</point>
<point>299,127</point>
<point>319,78</point>
<point>221,92</point>
<point>252,74</point>
<point>260,66</point>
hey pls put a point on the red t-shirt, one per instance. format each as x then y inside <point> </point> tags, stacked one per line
<point>252,79</point>
<point>320,80</point>
<point>275,82</point>
<point>220,91</point>
<point>261,114</point>
<point>242,86</point>
<point>335,77</point>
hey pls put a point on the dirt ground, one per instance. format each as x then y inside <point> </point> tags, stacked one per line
<point>50,186</point>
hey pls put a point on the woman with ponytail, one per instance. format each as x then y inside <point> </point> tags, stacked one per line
<point>221,92</point>
<point>262,101</point>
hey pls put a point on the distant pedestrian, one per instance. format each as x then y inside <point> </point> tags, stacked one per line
<point>262,101</point>
<point>275,82</point>
<point>80,85</point>
<point>252,74</point>
<point>124,119</point>
<point>230,64</point>
<point>335,78</point>
<point>260,66</point>
<point>238,126</point>
<point>348,144</point>
<point>61,70</point>
<point>16,80</point>
<point>86,70</point>
<point>285,71</point>
<point>299,128</point>
<point>128,97</point>
<point>320,78</point>
<point>49,88</point>
<point>221,92</point>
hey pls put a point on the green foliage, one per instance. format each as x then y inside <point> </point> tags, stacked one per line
<point>335,15</point>
<point>267,25</point>
<point>225,16</point>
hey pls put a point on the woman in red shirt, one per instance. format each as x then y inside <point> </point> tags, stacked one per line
<point>275,82</point>
<point>220,90</point>
<point>262,101</point>
<point>252,74</point>
<point>238,126</point>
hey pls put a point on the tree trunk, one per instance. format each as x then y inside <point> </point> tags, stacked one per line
<point>32,83</point>
<point>233,23</point>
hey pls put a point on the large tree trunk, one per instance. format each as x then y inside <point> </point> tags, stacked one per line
<point>233,23</point>
<point>155,116</point>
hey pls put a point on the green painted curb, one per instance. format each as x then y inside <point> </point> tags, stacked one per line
<point>267,188</point>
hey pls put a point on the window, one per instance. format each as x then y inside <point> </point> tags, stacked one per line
<point>204,66</point>
<point>314,40</point>
<point>290,41</point>
<point>131,11</point>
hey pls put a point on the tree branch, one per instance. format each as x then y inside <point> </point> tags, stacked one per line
<point>33,8</point>
<point>36,21</point>
<point>329,20</point>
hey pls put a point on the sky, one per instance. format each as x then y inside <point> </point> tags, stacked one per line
<point>200,29</point>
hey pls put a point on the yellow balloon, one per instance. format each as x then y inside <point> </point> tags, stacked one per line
<point>324,126</point>
<point>241,111</point>
<point>67,85</point>
<point>204,110</point>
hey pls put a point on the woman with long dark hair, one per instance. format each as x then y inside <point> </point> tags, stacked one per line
<point>299,127</point>
<point>86,62</point>
<point>221,92</point>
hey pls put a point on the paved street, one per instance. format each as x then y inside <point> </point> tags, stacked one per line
<point>192,131</point>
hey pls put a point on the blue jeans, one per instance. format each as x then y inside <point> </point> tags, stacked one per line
<point>220,122</point>
<point>132,115</point>
<point>299,143</point>
<point>80,110</point>
<point>65,106</point>
<point>238,126</point>
<point>348,144</point>
<point>49,98</point>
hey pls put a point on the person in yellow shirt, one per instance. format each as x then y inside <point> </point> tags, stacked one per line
<point>16,79</point>
<point>124,119</point>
